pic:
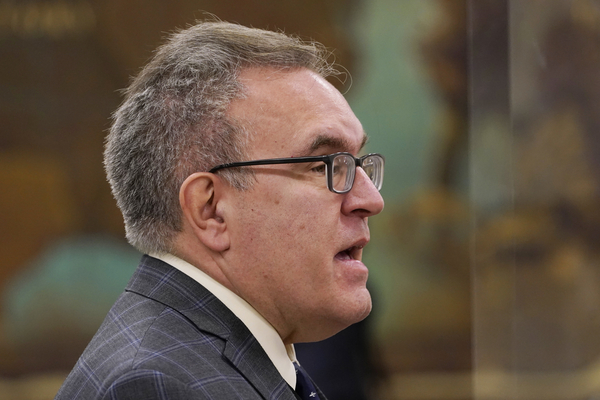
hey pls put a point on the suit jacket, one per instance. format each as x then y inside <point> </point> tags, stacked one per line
<point>167,337</point>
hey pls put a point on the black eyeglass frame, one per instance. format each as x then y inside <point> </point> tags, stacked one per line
<point>327,159</point>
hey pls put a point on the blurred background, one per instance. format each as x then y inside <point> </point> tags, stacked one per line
<point>485,264</point>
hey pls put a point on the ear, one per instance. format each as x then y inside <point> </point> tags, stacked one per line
<point>199,198</point>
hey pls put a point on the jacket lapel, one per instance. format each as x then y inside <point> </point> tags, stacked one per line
<point>248,356</point>
<point>161,282</point>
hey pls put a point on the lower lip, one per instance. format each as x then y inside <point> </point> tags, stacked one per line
<point>356,266</point>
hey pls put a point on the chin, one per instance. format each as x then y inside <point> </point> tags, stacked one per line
<point>349,310</point>
<point>366,310</point>
<point>355,317</point>
<point>361,307</point>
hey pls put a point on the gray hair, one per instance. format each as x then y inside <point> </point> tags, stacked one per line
<point>173,120</point>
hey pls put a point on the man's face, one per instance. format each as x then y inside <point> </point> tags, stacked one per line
<point>296,247</point>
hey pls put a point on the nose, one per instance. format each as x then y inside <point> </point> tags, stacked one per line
<point>363,199</point>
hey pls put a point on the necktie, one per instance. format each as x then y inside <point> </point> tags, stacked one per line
<point>304,386</point>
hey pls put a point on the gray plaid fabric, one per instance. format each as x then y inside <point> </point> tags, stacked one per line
<point>167,337</point>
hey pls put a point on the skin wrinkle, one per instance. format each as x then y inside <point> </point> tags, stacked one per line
<point>325,141</point>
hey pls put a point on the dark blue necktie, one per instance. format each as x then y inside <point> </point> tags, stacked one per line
<point>304,386</point>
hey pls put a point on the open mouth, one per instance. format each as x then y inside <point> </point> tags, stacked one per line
<point>351,253</point>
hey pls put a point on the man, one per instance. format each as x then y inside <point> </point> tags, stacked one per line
<point>244,258</point>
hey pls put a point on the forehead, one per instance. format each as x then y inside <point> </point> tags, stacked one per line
<point>293,113</point>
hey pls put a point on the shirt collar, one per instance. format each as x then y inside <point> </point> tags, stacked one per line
<point>281,355</point>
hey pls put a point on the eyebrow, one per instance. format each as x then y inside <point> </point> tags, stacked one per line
<point>322,141</point>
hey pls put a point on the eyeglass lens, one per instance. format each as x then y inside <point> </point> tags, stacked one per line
<point>343,173</point>
<point>373,166</point>
<point>344,170</point>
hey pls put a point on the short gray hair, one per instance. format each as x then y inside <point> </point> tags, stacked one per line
<point>173,120</point>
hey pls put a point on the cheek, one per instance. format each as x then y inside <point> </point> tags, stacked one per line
<point>294,222</point>
<point>292,214</point>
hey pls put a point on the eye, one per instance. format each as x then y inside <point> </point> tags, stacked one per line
<point>318,168</point>
<point>337,169</point>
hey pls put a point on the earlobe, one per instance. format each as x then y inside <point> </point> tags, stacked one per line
<point>200,200</point>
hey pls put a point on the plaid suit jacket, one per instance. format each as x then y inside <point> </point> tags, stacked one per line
<point>167,337</point>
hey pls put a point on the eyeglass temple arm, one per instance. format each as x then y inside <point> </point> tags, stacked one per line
<point>270,161</point>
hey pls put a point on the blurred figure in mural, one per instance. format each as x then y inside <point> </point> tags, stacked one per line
<point>547,245</point>
<point>236,166</point>
<point>545,242</point>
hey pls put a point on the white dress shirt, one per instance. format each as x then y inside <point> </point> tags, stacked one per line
<point>281,355</point>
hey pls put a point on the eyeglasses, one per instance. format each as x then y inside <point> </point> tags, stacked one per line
<point>339,168</point>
